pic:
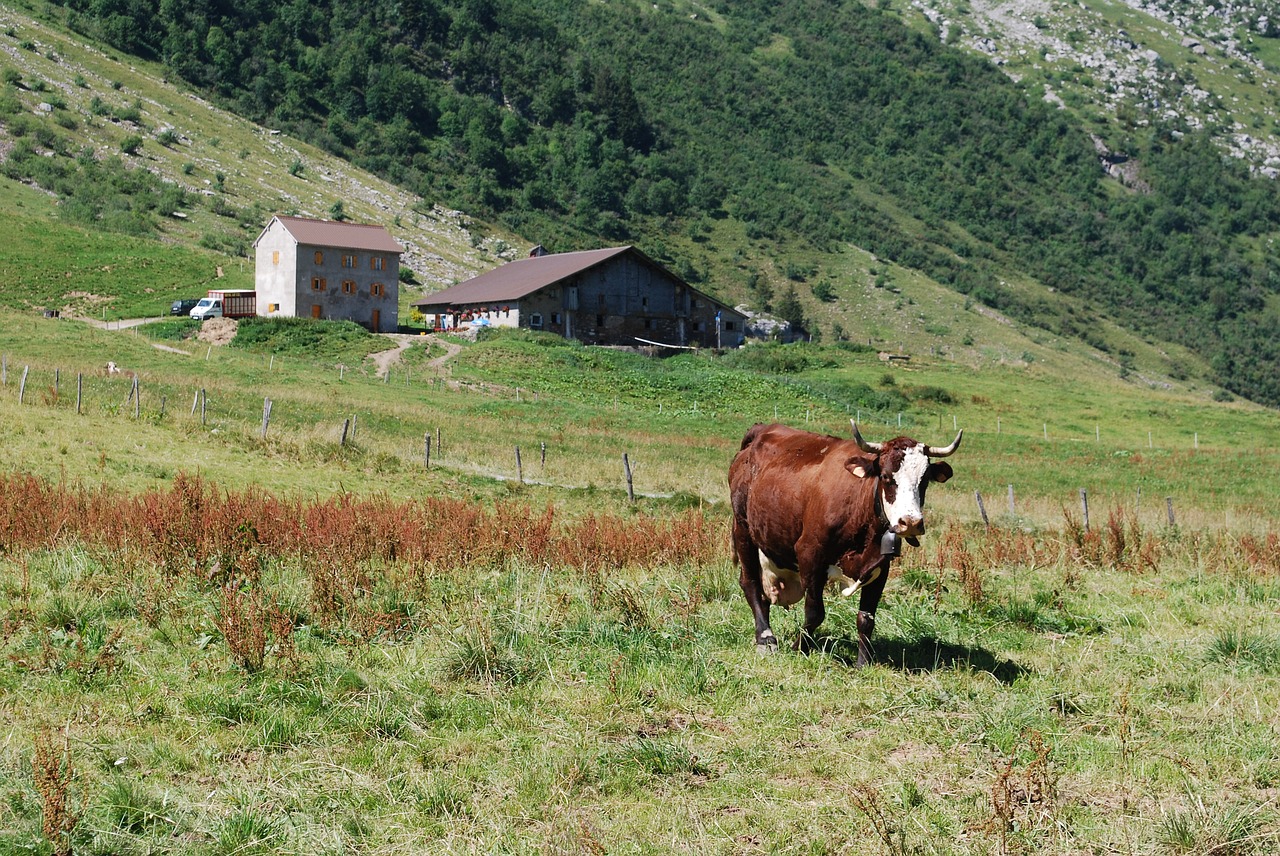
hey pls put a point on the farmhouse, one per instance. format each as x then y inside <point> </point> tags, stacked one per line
<point>614,296</point>
<point>327,269</point>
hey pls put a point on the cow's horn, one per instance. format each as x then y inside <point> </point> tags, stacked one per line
<point>945,450</point>
<point>874,448</point>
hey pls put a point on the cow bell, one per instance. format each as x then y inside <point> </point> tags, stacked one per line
<point>889,545</point>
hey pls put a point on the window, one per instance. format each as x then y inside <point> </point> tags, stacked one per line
<point>317,283</point>
<point>699,326</point>
<point>377,263</point>
<point>348,260</point>
<point>555,317</point>
<point>728,325</point>
<point>648,323</point>
<point>535,319</point>
<point>644,303</point>
<point>378,290</point>
<point>697,304</point>
<point>275,257</point>
<point>348,286</point>
<point>319,257</point>
<point>273,307</point>
<point>599,320</point>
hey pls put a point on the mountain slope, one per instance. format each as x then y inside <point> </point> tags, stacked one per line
<point>758,149</point>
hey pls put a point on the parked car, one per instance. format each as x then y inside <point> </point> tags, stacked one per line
<point>183,307</point>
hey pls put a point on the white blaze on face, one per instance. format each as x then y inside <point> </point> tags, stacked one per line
<point>906,501</point>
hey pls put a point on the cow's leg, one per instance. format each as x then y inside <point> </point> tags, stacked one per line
<point>753,589</point>
<point>815,609</point>
<point>867,604</point>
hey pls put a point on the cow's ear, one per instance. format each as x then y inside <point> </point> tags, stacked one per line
<point>863,468</point>
<point>940,471</point>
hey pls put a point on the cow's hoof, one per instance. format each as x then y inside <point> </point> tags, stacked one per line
<point>767,646</point>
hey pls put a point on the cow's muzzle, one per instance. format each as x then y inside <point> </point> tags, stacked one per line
<point>909,527</point>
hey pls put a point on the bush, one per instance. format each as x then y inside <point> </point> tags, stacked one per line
<point>131,144</point>
<point>772,358</point>
<point>936,394</point>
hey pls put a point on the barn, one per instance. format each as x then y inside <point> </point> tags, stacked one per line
<point>613,296</point>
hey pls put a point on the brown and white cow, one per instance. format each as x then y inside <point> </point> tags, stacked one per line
<point>810,508</point>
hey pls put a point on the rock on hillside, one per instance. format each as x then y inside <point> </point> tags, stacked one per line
<point>1183,61</point>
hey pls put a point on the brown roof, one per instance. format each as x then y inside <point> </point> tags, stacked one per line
<point>331,233</point>
<point>521,277</point>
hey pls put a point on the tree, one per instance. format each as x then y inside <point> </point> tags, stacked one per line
<point>788,308</point>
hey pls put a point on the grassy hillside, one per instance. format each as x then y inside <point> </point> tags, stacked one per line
<point>290,645</point>
<point>1026,228</point>
<point>232,175</point>
<point>679,420</point>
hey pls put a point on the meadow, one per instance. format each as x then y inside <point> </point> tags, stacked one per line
<point>219,642</point>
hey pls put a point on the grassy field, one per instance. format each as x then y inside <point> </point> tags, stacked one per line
<point>175,681</point>
<point>216,642</point>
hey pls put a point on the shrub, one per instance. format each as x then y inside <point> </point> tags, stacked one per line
<point>131,144</point>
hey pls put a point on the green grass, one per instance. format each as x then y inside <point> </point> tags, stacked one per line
<point>1066,706</point>
<point>102,275</point>
<point>528,708</point>
<point>679,420</point>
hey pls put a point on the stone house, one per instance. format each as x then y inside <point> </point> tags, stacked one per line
<point>326,269</point>
<point>614,296</point>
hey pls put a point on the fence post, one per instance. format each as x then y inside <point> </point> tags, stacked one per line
<point>426,451</point>
<point>162,406</point>
<point>544,457</point>
<point>266,416</point>
<point>1011,514</point>
<point>1084,507</point>
<point>204,401</point>
<point>519,467</point>
<point>346,424</point>
<point>79,390</point>
<point>137,398</point>
<point>439,445</point>
<point>1168,504</point>
<point>626,466</point>
<point>57,382</point>
<point>22,387</point>
<point>982,509</point>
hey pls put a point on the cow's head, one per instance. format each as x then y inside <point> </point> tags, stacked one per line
<point>905,471</point>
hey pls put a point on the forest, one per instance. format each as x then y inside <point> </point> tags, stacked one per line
<point>814,121</point>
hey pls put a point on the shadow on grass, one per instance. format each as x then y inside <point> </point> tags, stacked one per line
<point>925,655</point>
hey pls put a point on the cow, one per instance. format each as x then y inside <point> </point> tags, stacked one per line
<point>809,509</point>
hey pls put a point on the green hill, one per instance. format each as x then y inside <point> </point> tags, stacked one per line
<point>828,150</point>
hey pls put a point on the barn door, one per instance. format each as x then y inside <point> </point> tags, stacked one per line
<point>377,317</point>
<point>315,311</point>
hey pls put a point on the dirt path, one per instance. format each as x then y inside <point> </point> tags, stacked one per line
<point>451,350</point>
<point>384,360</point>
